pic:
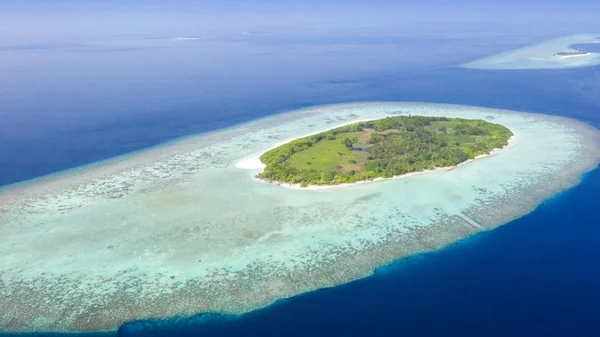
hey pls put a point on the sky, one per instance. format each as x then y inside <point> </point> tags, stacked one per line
<point>69,18</point>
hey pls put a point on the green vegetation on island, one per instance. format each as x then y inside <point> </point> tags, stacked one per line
<point>384,148</point>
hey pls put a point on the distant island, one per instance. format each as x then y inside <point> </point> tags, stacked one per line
<point>186,38</point>
<point>381,148</point>
<point>565,54</point>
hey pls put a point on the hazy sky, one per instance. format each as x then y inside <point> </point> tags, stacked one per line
<point>74,18</point>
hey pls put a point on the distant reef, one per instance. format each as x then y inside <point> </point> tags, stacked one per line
<point>550,54</point>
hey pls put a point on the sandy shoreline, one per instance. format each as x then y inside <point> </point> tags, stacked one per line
<point>570,56</point>
<point>253,162</point>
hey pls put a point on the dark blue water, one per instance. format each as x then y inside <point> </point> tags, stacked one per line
<point>574,93</point>
<point>537,276</point>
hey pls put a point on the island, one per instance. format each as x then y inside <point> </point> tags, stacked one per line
<point>381,148</point>
<point>558,53</point>
<point>565,54</point>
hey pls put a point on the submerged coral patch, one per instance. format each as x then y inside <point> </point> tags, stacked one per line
<point>179,229</point>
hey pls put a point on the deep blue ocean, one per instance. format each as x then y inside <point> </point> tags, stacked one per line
<point>536,276</point>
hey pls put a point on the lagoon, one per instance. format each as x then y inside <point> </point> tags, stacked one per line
<point>179,229</point>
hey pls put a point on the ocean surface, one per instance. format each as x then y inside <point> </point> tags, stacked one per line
<point>590,47</point>
<point>536,276</point>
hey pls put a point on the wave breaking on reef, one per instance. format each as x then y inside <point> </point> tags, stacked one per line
<point>179,229</point>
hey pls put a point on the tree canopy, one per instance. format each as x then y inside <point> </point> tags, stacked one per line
<point>381,148</point>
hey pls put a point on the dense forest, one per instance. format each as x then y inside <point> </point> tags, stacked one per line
<point>381,148</point>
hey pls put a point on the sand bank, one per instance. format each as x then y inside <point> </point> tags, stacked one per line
<point>541,55</point>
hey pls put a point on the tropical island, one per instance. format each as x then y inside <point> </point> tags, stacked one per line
<point>381,148</point>
<point>565,54</point>
<point>158,233</point>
